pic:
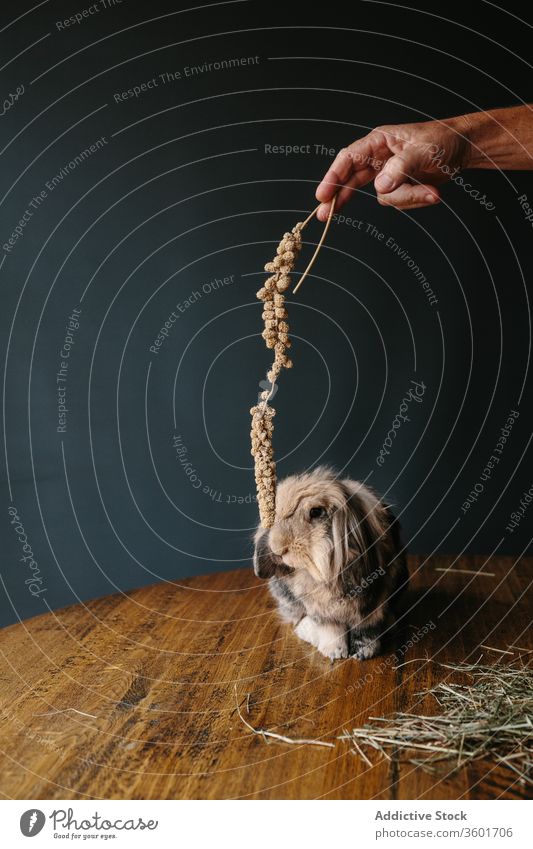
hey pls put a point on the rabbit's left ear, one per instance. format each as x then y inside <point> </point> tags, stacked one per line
<point>266,563</point>
<point>367,525</point>
<point>374,541</point>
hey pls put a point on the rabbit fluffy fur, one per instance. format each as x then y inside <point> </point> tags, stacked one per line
<point>334,561</point>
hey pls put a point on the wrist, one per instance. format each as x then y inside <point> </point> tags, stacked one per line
<point>479,131</point>
<point>467,130</point>
<point>499,138</point>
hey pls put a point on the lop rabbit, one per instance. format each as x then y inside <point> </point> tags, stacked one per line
<point>334,561</point>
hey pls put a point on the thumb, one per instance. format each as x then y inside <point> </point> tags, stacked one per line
<point>409,196</point>
<point>395,172</point>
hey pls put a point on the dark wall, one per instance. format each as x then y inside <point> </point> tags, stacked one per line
<point>182,202</point>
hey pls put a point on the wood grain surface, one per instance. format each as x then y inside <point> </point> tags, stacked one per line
<point>133,696</point>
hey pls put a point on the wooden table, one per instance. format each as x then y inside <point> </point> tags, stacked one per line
<point>133,696</point>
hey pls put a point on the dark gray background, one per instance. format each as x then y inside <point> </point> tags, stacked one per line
<point>183,193</point>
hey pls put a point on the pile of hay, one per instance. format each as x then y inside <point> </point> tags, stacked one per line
<point>489,717</point>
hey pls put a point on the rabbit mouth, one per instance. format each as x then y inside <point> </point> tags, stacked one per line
<point>267,564</point>
<point>282,565</point>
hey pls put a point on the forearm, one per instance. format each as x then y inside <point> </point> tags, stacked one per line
<point>499,138</point>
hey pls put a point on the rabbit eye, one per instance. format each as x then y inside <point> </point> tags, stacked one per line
<point>317,512</point>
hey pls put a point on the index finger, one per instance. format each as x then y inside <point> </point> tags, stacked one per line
<point>335,176</point>
<point>358,156</point>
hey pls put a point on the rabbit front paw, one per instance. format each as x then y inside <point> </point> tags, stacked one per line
<point>335,649</point>
<point>306,630</point>
<point>363,648</point>
<point>332,641</point>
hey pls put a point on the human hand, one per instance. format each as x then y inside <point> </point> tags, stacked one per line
<point>406,161</point>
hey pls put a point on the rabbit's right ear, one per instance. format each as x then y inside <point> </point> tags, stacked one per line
<point>266,563</point>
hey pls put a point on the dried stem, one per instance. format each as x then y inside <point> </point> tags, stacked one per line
<point>311,263</point>
<point>466,572</point>
<point>311,215</point>
<point>272,734</point>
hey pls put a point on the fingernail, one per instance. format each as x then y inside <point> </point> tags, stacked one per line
<point>384,182</point>
<point>430,198</point>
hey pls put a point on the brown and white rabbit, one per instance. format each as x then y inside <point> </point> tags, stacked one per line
<point>334,561</point>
